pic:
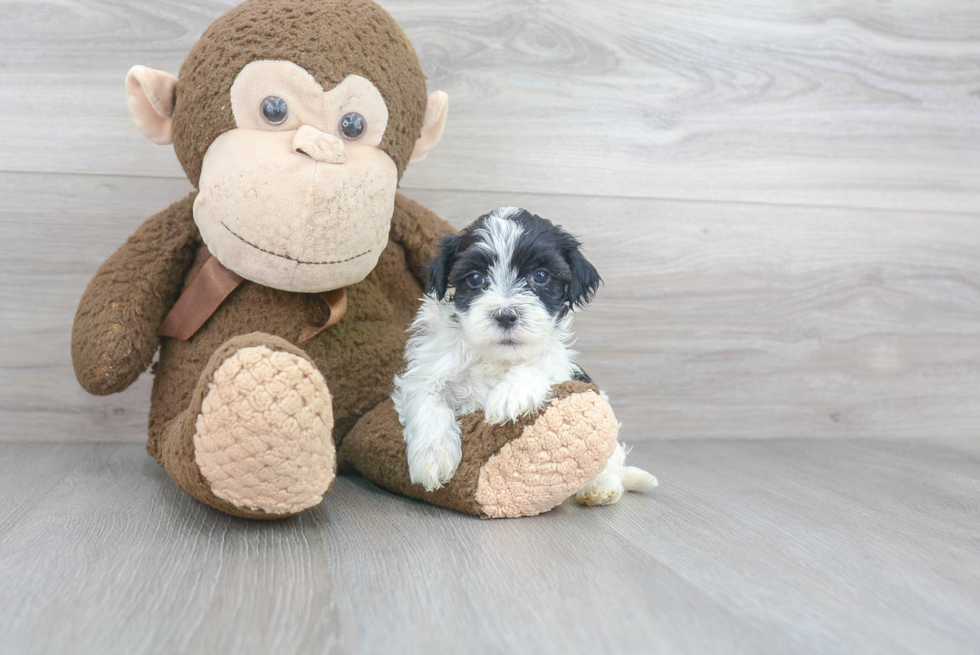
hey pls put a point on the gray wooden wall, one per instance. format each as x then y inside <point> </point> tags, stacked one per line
<point>782,197</point>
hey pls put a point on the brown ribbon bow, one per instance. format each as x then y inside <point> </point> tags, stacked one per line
<point>212,285</point>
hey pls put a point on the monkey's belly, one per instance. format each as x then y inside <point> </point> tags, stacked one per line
<point>358,356</point>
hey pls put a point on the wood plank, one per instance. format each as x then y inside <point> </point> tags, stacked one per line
<point>55,231</point>
<point>830,103</point>
<point>752,321</point>
<point>717,321</point>
<point>844,541</point>
<point>29,474</point>
<point>792,546</point>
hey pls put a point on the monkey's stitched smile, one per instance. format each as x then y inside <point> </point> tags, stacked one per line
<point>292,259</point>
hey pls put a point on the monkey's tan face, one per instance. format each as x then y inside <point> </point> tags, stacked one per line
<point>298,196</point>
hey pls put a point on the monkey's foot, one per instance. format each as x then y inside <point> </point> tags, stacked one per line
<point>516,469</point>
<point>259,432</point>
<point>566,446</point>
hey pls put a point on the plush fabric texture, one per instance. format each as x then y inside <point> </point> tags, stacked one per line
<point>149,97</point>
<point>518,469</point>
<point>294,224</point>
<point>174,445</point>
<point>310,105</point>
<point>205,293</point>
<point>330,38</point>
<point>113,337</point>
<point>567,446</point>
<point>358,357</point>
<point>320,146</point>
<point>433,125</point>
<point>262,439</point>
<point>240,416</point>
<point>289,221</point>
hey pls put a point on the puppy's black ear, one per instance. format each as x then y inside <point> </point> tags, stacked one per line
<point>585,279</point>
<point>437,273</point>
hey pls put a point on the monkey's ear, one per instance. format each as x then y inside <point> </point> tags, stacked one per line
<point>150,96</point>
<point>438,270</point>
<point>433,124</point>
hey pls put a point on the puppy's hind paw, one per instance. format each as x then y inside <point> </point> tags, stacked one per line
<point>610,485</point>
<point>606,489</point>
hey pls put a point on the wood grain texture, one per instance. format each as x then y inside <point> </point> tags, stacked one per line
<point>716,320</point>
<point>753,321</point>
<point>834,102</point>
<point>747,547</point>
<point>782,199</point>
<point>55,231</point>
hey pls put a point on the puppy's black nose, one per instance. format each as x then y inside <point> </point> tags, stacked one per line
<point>506,318</point>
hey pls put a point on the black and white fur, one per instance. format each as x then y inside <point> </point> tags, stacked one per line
<point>494,334</point>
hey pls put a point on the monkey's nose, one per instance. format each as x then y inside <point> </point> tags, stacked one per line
<point>318,145</point>
<point>506,318</point>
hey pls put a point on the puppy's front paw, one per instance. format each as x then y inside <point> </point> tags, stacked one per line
<point>511,400</point>
<point>434,465</point>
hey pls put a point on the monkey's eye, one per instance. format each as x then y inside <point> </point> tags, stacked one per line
<point>275,110</point>
<point>475,280</point>
<point>352,126</point>
<point>540,277</point>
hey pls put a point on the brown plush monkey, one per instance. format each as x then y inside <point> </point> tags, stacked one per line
<point>295,120</point>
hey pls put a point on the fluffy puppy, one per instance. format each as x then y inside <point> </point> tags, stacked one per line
<point>494,334</point>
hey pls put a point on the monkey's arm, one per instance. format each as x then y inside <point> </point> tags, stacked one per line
<point>114,337</point>
<point>418,230</point>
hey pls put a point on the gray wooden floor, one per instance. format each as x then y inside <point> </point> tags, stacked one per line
<point>783,546</point>
<point>783,201</point>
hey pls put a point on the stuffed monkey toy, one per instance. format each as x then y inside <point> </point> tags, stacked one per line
<point>278,293</point>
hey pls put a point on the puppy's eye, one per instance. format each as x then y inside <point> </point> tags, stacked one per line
<point>275,110</point>
<point>475,280</point>
<point>352,126</point>
<point>540,277</point>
